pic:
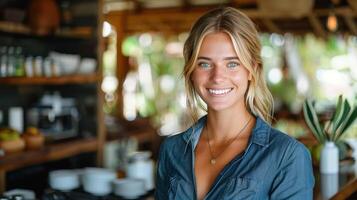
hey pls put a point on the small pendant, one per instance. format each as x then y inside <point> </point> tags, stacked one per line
<point>213,161</point>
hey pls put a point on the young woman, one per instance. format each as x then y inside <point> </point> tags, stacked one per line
<point>232,152</point>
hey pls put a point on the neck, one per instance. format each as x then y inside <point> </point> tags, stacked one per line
<point>223,126</point>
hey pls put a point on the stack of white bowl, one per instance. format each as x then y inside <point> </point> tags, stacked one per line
<point>98,181</point>
<point>129,188</point>
<point>64,180</point>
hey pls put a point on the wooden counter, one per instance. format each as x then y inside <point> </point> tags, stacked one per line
<point>336,186</point>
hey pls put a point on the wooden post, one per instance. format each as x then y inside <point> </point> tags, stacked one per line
<point>117,19</point>
<point>2,181</point>
<point>101,132</point>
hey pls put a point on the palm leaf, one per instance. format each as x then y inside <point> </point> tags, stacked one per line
<point>342,110</point>
<point>336,114</point>
<point>338,108</point>
<point>347,123</point>
<point>342,118</point>
<point>312,121</point>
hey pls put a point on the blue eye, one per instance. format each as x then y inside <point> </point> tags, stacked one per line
<point>204,65</point>
<point>232,64</point>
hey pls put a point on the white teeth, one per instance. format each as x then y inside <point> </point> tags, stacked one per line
<point>218,92</point>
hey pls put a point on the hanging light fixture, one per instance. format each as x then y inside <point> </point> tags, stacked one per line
<point>332,23</point>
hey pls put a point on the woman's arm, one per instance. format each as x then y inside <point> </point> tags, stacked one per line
<point>295,180</point>
<point>161,175</point>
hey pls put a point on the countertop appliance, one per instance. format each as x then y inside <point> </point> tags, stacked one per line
<point>55,117</point>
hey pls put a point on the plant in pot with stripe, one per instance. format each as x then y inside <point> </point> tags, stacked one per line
<point>330,131</point>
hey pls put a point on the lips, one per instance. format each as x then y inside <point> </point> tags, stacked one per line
<point>220,91</point>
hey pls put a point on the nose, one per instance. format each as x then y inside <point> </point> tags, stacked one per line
<point>218,73</point>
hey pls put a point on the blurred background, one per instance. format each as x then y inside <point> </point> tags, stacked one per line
<point>101,80</point>
<point>308,51</point>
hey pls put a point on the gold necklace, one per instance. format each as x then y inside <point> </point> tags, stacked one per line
<point>213,158</point>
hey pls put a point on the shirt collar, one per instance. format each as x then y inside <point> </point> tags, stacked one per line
<point>260,135</point>
<point>261,132</point>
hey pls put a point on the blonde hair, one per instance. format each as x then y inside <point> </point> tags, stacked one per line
<point>246,43</point>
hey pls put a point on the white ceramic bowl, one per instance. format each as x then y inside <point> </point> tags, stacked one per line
<point>64,180</point>
<point>68,63</point>
<point>129,188</point>
<point>87,66</point>
<point>98,181</point>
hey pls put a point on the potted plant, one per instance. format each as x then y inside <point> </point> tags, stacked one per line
<point>330,132</point>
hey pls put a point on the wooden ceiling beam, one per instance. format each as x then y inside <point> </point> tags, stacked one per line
<point>270,25</point>
<point>252,13</point>
<point>316,25</point>
<point>186,3</point>
<point>351,24</point>
<point>176,17</point>
<point>335,1</point>
<point>340,11</point>
<point>238,3</point>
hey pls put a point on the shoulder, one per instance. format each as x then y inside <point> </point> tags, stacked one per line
<point>175,142</point>
<point>287,148</point>
<point>264,134</point>
<point>283,141</point>
<point>180,141</point>
<point>176,138</point>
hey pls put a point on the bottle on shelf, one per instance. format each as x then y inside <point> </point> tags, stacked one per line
<point>38,66</point>
<point>11,61</point>
<point>19,62</point>
<point>66,15</point>
<point>29,71</point>
<point>3,61</point>
<point>47,69</point>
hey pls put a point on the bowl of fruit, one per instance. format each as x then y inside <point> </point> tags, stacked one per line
<point>10,140</point>
<point>34,139</point>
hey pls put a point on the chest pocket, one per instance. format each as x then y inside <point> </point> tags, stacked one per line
<point>240,188</point>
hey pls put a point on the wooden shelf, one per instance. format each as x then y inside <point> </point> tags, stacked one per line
<point>47,153</point>
<point>80,37</point>
<point>84,32</point>
<point>61,80</point>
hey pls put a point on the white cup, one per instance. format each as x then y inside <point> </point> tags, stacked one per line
<point>16,120</point>
<point>64,180</point>
<point>129,188</point>
<point>98,181</point>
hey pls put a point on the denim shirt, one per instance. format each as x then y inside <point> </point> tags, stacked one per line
<point>273,166</point>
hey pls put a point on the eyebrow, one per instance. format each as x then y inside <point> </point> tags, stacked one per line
<point>226,58</point>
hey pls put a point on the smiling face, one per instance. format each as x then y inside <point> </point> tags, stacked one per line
<point>218,77</point>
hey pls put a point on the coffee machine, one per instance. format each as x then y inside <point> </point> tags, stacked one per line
<point>55,117</point>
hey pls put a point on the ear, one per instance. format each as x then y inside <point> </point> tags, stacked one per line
<point>250,76</point>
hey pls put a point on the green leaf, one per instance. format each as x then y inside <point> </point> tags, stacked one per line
<point>342,117</point>
<point>348,122</point>
<point>309,120</point>
<point>312,121</point>
<point>327,126</point>
<point>338,109</point>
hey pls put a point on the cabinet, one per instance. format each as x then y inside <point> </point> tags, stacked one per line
<point>79,33</point>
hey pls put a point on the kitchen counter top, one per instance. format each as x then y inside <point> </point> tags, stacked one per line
<point>336,186</point>
<point>80,195</point>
